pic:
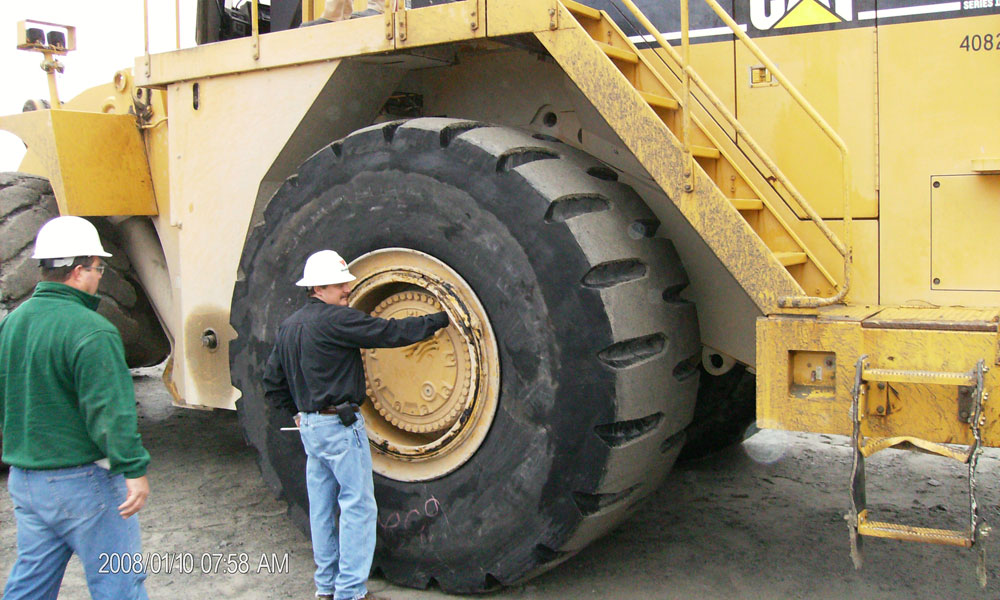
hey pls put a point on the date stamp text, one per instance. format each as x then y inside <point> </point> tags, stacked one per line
<point>191,563</point>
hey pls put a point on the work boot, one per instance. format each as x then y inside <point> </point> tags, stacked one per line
<point>324,596</point>
<point>371,596</point>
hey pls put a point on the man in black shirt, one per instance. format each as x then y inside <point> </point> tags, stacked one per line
<point>315,370</point>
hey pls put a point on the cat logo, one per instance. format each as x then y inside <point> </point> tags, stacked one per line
<point>778,14</point>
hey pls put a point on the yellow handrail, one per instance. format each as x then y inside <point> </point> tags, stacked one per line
<point>685,113</point>
<point>844,248</point>
<point>145,30</point>
<point>145,34</point>
<point>255,28</point>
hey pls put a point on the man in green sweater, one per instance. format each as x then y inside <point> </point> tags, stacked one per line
<point>67,407</point>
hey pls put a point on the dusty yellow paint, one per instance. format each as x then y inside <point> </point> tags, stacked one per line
<point>509,17</point>
<point>205,212</point>
<point>647,137</point>
<point>965,211</point>
<point>295,47</point>
<point>709,150</point>
<point>96,162</point>
<point>840,83</point>
<point>812,369</point>
<point>449,22</point>
<point>953,91</point>
<point>948,341</point>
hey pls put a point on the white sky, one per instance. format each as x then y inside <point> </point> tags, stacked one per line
<point>109,35</point>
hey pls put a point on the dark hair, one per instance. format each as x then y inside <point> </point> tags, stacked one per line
<point>61,274</point>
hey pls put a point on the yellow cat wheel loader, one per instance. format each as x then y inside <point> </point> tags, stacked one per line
<point>653,223</point>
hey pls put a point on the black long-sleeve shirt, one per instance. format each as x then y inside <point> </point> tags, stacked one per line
<point>316,360</point>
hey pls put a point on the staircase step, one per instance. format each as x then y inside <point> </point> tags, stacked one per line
<point>705,152</point>
<point>616,53</point>
<point>659,101</point>
<point>748,204</point>
<point>908,533</point>
<point>921,377</point>
<point>791,258</point>
<point>582,11</point>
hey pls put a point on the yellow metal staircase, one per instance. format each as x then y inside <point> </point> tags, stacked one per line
<point>706,175</point>
<point>720,190</point>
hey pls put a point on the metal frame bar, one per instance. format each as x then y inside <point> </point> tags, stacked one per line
<point>255,28</point>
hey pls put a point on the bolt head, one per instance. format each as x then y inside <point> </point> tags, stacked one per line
<point>209,340</point>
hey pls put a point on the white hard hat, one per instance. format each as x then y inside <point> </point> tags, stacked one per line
<point>325,267</point>
<point>68,237</point>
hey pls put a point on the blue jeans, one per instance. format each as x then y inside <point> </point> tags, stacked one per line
<point>63,511</point>
<point>339,479</point>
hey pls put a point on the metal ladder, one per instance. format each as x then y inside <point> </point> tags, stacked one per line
<point>972,398</point>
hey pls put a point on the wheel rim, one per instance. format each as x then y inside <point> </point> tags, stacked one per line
<point>430,405</point>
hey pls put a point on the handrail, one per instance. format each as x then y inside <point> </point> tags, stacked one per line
<point>685,113</point>
<point>145,30</point>
<point>844,248</point>
<point>255,28</point>
<point>145,33</point>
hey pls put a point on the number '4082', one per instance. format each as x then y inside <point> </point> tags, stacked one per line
<point>977,43</point>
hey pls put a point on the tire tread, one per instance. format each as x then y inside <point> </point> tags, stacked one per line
<point>650,335</point>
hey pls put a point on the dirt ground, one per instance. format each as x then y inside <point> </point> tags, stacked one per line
<point>761,520</point>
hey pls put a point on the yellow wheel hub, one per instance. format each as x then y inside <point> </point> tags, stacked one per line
<point>424,387</point>
<point>431,404</point>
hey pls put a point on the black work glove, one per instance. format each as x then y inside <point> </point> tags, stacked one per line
<point>440,319</point>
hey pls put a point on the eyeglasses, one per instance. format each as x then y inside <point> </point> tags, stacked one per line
<point>98,268</point>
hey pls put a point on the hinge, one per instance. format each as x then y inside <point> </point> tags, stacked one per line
<point>401,24</point>
<point>474,14</point>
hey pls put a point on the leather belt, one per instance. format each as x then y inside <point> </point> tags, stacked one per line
<point>329,410</point>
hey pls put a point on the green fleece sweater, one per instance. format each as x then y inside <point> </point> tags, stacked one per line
<point>66,396</point>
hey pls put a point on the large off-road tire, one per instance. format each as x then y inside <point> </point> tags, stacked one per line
<point>725,413</point>
<point>595,376</point>
<point>26,203</point>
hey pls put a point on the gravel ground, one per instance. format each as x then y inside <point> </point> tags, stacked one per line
<point>760,520</point>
